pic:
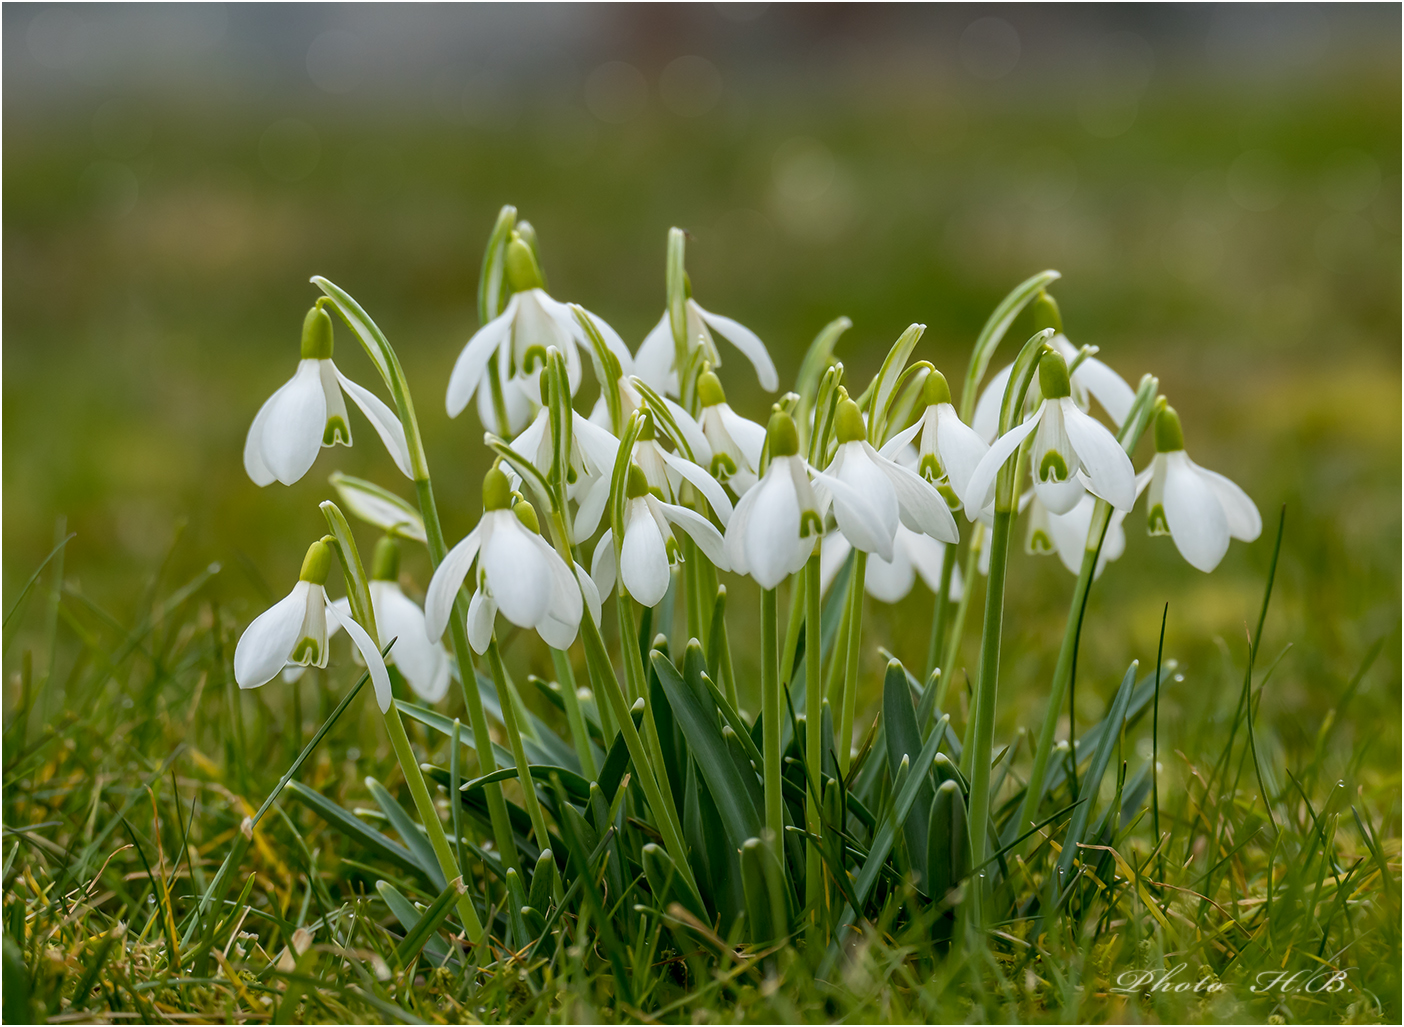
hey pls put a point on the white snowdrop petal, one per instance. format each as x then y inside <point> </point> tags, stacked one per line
<point>534,441</point>
<point>297,416</point>
<point>447,580</point>
<point>482,611</point>
<point>959,446</point>
<point>612,340</point>
<point>592,507</point>
<point>979,490</point>
<point>643,559</point>
<point>1108,467</point>
<point>1240,512</point>
<point>921,506</point>
<point>654,360</point>
<point>1194,514</point>
<point>267,642</point>
<point>1060,496</point>
<point>692,433</point>
<point>597,444</point>
<point>890,581</point>
<point>703,533</point>
<point>703,481</point>
<point>748,436</point>
<point>772,542</point>
<point>517,574</point>
<point>343,607</point>
<point>748,342</point>
<point>424,664</point>
<point>894,445</point>
<point>383,419</point>
<point>472,361</point>
<point>602,563</point>
<point>380,677</point>
<point>985,420</point>
<point>739,525</point>
<point>1107,388</point>
<point>833,552</point>
<point>257,470</point>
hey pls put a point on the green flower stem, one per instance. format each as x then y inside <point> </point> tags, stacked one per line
<point>514,740</point>
<point>788,653</point>
<point>565,676</point>
<point>602,674</point>
<point>852,648</point>
<point>971,572</point>
<point>1131,430</point>
<point>770,715</point>
<point>813,740</point>
<point>940,611</point>
<point>383,355</point>
<point>358,594</point>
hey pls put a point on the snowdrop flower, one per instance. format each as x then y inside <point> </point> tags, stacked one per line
<point>947,451</point>
<point>773,530</point>
<point>1199,509</point>
<point>309,412</point>
<point>880,493</point>
<point>424,664</point>
<point>592,453</point>
<point>518,573</point>
<point>665,472</point>
<point>889,581</point>
<point>1068,440</point>
<point>736,443</point>
<point>1091,379</point>
<point>649,548</point>
<point>518,338</point>
<point>294,631</point>
<point>657,355</point>
<point>1066,534</point>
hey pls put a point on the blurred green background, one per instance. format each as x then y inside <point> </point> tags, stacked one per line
<point>1218,185</point>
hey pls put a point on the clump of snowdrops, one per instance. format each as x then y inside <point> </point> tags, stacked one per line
<point>664,813</point>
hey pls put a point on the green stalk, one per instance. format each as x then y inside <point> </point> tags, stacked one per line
<point>358,594</point>
<point>565,676</point>
<point>770,714</point>
<point>634,670</point>
<point>939,610</point>
<point>1131,430</point>
<point>788,653</point>
<point>383,355</point>
<point>852,647</point>
<point>971,572</point>
<point>813,741</point>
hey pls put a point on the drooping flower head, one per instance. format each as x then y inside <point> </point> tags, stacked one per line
<point>736,442</point>
<point>1199,509</point>
<point>656,360</point>
<point>294,631</point>
<point>948,451</point>
<point>1068,441</point>
<point>518,574</point>
<point>309,412</point>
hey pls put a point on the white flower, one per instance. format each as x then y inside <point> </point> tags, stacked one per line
<point>1091,379</point>
<point>592,453</point>
<point>425,664</point>
<point>948,451</point>
<point>890,581</point>
<point>294,631</point>
<point>666,472</point>
<point>308,412</point>
<point>736,443</point>
<point>657,355</point>
<point>649,548</point>
<point>1199,509</point>
<point>530,324</point>
<point>518,573</point>
<point>881,493</point>
<point>1066,534</point>
<point>1068,440</point>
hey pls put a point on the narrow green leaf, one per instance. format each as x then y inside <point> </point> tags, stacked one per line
<point>993,331</point>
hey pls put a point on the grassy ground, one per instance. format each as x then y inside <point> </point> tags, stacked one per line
<point>138,346</point>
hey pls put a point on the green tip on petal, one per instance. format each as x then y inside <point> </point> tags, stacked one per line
<point>385,564</point>
<point>522,270</point>
<point>637,485</point>
<point>1046,313</point>
<point>316,564</point>
<point>646,431</point>
<point>784,439</point>
<point>526,513</point>
<point>317,334</point>
<point>497,491</point>
<point>848,422</point>
<point>1053,376</point>
<point>1169,436</point>
<point>935,389</point>
<point>709,390</point>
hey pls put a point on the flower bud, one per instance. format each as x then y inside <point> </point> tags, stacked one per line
<point>317,334</point>
<point>497,490</point>
<point>522,270</point>
<point>316,564</point>
<point>784,439</point>
<point>385,564</point>
<point>526,513</point>
<point>1169,436</point>
<point>1046,313</point>
<point>637,485</point>
<point>935,389</point>
<point>848,422</point>
<point>709,390</point>
<point>1053,376</point>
